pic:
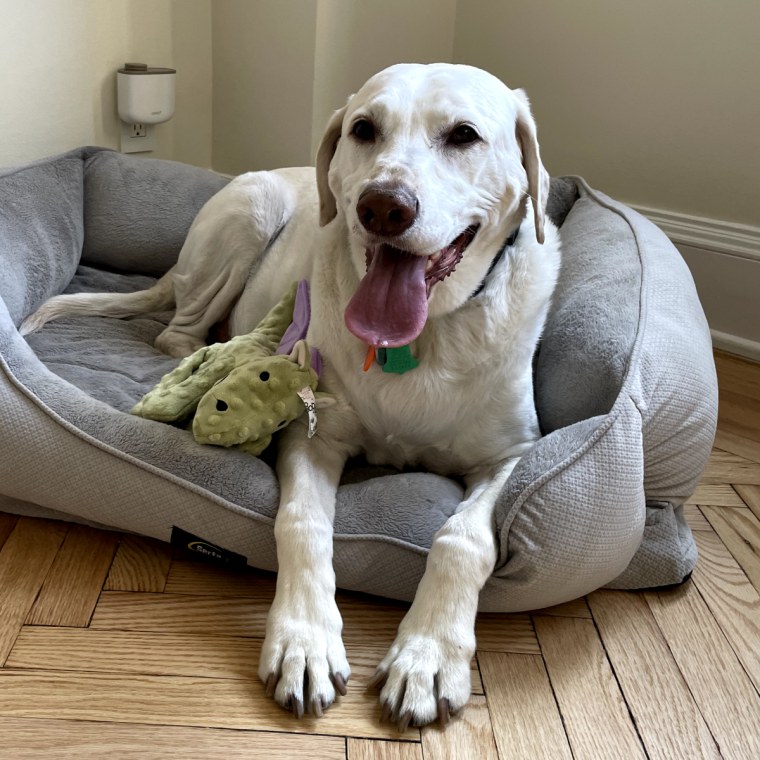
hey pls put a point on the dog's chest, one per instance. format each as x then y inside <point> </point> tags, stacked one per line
<point>446,420</point>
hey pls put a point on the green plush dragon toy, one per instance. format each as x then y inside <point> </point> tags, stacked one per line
<point>243,391</point>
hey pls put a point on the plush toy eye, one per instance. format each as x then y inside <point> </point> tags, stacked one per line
<point>264,376</point>
<point>282,423</point>
<point>221,406</point>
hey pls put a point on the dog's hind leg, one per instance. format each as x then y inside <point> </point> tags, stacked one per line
<point>225,243</point>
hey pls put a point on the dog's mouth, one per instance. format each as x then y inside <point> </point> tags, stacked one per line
<point>390,307</point>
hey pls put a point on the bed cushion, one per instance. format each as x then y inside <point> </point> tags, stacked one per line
<point>625,389</point>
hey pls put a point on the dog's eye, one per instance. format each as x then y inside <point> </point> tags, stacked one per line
<point>462,134</point>
<point>363,130</point>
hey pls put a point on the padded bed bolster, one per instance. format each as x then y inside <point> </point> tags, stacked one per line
<point>574,511</point>
<point>146,208</point>
<point>41,231</point>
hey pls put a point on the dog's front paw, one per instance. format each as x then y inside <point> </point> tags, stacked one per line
<point>424,677</point>
<point>303,661</point>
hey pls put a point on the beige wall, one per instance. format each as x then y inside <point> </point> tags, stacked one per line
<point>281,68</point>
<point>656,102</point>
<point>263,54</point>
<point>357,39</point>
<point>58,60</point>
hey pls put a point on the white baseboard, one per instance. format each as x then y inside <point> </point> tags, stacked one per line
<point>724,258</point>
<point>733,345</point>
<point>730,238</point>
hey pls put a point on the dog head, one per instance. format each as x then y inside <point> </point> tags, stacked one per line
<point>431,167</point>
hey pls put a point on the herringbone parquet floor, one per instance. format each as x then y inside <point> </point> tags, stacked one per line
<point>111,647</point>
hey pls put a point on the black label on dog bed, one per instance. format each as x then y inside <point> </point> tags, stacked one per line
<point>184,540</point>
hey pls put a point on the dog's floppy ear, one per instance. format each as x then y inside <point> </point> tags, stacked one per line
<point>538,177</point>
<point>325,153</point>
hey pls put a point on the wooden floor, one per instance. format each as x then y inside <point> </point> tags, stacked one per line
<point>110,647</point>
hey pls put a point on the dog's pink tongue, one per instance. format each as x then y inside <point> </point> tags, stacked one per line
<point>389,307</point>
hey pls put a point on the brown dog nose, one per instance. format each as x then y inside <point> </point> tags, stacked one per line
<point>387,211</point>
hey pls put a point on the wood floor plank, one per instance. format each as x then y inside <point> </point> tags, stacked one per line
<point>186,701</point>
<point>750,495</point>
<point>85,649</point>
<point>469,736</point>
<point>25,559</point>
<point>739,413</point>
<point>140,564</point>
<point>593,709</point>
<point>366,749</point>
<point>728,439</point>
<point>374,624</point>
<point>506,633</point>
<point>724,467</point>
<point>722,690</point>
<point>666,715</point>
<point>179,613</point>
<point>36,739</point>
<point>739,530</point>
<point>186,577</point>
<point>717,495</point>
<point>695,518</point>
<point>575,608</point>
<point>72,587</point>
<point>733,601</point>
<point>7,524</point>
<point>525,717</point>
<point>738,374</point>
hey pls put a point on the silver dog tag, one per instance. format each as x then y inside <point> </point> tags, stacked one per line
<point>307,396</point>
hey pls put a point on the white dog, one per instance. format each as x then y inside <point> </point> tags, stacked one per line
<point>431,205</point>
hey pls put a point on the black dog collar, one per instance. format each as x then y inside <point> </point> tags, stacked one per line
<point>508,243</point>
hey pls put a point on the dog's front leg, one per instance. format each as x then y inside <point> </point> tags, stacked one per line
<point>426,673</point>
<point>303,660</point>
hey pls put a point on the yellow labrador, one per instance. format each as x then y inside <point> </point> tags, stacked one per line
<point>431,196</point>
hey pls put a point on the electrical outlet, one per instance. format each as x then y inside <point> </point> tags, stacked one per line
<point>137,138</point>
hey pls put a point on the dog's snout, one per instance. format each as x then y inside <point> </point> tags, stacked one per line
<point>387,211</point>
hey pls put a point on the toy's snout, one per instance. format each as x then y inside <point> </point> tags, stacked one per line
<point>252,402</point>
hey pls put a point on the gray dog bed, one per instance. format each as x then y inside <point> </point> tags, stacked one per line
<point>625,389</point>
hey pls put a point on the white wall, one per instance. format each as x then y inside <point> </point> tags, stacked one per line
<point>58,62</point>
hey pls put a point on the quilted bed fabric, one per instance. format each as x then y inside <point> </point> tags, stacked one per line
<point>625,389</point>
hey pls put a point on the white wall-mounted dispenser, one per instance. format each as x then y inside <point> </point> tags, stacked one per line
<point>145,96</point>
